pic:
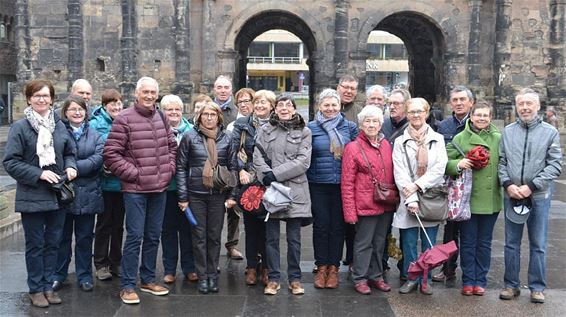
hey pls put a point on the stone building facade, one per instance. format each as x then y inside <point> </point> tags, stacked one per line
<point>493,46</point>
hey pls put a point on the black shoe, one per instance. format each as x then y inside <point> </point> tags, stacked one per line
<point>203,286</point>
<point>86,287</point>
<point>213,285</point>
<point>57,285</point>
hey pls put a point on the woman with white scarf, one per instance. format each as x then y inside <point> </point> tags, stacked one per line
<point>39,151</point>
<point>330,134</point>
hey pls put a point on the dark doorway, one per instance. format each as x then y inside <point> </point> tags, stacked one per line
<point>426,47</point>
<point>270,20</point>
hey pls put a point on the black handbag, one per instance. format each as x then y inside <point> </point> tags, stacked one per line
<point>64,190</point>
<point>433,203</point>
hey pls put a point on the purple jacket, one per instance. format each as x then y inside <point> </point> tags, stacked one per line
<point>141,150</point>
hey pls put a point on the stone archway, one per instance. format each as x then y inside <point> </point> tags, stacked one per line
<point>269,20</point>
<point>426,48</point>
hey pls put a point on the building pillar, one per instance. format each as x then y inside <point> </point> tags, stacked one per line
<point>128,51</point>
<point>182,86</point>
<point>358,68</point>
<point>209,63</point>
<point>226,63</point>
<point>341,38</point>
<point>556,81</point>
<point>502,75</point>
<point>76,47</point>
<point>474,65</point>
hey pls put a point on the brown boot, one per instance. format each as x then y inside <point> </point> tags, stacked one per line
<point>264,277</point>
<point>320,277</point>
<point>332,279</point>
<point>251,276</point>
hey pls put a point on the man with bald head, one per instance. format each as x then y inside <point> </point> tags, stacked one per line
<point>223,97</point>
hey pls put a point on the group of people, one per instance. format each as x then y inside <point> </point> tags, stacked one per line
<point>145,167</point>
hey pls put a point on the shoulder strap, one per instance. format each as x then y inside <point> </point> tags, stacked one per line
<point>163,118</point>
<point>408,161</point>
<point>397,132</point>
<point>373,179</point>
<point>458,148</point>
<point>263,154</point>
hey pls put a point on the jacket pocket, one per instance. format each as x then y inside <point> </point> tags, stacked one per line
<point>292,144</point>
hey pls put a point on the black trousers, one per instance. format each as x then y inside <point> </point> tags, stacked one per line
<point>109,231</point>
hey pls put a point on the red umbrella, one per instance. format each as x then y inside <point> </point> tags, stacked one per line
<point>431,258</point>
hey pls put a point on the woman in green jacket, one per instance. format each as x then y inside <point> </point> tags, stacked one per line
<point>486,199</point>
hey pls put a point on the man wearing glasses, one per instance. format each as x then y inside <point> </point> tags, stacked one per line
<point>348,90</point>
<point>395,124</point>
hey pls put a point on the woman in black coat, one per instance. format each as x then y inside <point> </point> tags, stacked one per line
<point>38,152</point>
<point>88,200</point>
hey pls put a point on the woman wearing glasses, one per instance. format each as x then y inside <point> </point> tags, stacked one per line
<point>200,151</point>
<point>38,152</point>
<point>422,151</point>
<point>88,196</point>
<point>109,224</point>
<point>244,102</point>
<point>286,142</point>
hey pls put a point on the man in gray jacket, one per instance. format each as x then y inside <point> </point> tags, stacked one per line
<point>530,159</point>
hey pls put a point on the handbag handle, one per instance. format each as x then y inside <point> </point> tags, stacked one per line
<point>424,230</point>
<point>408,161</point>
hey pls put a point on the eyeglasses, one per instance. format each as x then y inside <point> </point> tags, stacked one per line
<point>245,101</point>
<point>75,110</point>
<point>39,97</point>
<point>352,88</point>
<point>480,115</point>
<point>395,103</point>
<point>416,112</point>
<point>285,104</point>
<point>209,115</point>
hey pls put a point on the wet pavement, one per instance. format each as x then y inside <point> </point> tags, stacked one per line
<point>237,299</point>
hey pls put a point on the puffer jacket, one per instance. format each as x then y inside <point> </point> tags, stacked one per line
<point>290,153</point>
<point>184,127</point>
<point>530,154</point>
<point>325,169</point>
<point>140,150</point>
<point>433,176</point>
<point>22,163</point>
<point>244,126</point>
<point>191,157</point>
<point>451,126</point>
<point>102,122</point>
<point>87,185</point>
<point>357,186</point>
<point>487,194</point>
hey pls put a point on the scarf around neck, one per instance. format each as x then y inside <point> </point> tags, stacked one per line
<point>422,152</point>
<point>296,122</point>
<point>337,141</point>
<point>212,160</point>
<point>44,126</point>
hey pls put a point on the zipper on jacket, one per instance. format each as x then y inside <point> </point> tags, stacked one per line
<point>524,154</point>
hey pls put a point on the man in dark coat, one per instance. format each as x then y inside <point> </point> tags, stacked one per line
<point>141,151</point>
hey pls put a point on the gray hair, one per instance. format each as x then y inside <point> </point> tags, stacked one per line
<point>404,92</point>
<point>347,79</point>
<point>171,100</point>
<point>530,92</point>
<point>80,81</point>
<point>328,93</point>
<point>461,88</point>
<point>148,80</point>
<point>377,88</point>
<point>370,111</point>
<point>223,78</point>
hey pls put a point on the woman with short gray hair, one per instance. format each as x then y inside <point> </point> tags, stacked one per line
<point>330,134</point>
<point>367,160</point>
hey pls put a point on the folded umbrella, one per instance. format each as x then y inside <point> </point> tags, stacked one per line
<point>431,258</point>
<point>190,216</point>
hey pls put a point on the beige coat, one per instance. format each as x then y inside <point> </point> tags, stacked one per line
<point>290,153</point>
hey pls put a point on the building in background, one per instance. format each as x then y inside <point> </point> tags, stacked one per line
<point>8,60</point>
<point>387,64</point>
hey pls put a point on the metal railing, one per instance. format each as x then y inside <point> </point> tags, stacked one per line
<point>274,60</point>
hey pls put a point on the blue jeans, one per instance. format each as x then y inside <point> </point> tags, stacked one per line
<point>537,227</point>
<point>475,248</point>
<point>175,236</point>
<point>83,227</point>
<point>328,223</point>
<point>42,231</point>
<point>144,218</point>
<point>409,239</point>
<point>293,232</point>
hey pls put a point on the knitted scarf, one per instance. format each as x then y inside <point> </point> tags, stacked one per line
<point>295,123</point>
<point>212,160</point>
<point>337,141</point>
<point>422,152</point>
<point>44,126</point>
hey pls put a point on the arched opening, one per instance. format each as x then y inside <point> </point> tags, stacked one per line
<point>387,64</point>
<point>276,20</point>
<point>425,46</point>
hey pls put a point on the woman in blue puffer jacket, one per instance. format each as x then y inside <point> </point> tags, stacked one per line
<point>88,196</point>
<point>330,134</point>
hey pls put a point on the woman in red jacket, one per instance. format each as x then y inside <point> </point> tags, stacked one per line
<point>369,156</point>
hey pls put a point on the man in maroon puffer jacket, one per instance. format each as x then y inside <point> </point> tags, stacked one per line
<point>141,151</point>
